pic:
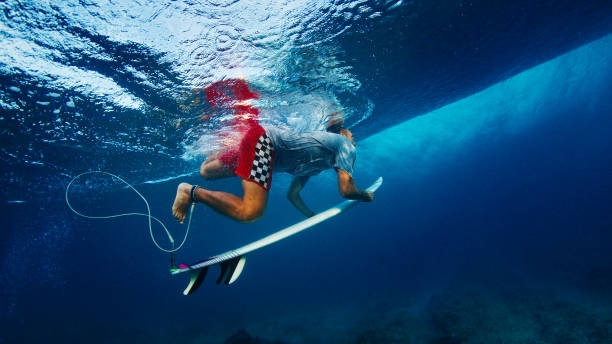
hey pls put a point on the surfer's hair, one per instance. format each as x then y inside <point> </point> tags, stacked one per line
<point>336,128</point>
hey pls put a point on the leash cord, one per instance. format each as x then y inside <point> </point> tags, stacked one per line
<point>148,214</point>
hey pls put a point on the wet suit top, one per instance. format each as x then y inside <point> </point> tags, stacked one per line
<point>307,154</point>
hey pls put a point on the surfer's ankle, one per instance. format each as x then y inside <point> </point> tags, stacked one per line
<point>193,193</point>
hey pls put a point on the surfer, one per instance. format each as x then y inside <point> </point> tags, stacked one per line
<point>259,151</point>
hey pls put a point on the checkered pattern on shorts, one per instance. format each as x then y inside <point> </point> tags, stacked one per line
<point>261,171</point>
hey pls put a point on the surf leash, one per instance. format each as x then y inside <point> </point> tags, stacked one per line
<point>148,215</point>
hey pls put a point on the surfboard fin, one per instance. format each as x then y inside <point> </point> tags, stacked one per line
<point>231,269</point>
<point>195,280</point>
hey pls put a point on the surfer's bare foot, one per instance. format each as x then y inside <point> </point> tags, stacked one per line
<point>181,202</point>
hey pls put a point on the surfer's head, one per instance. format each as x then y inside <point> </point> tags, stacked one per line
<point>335,125</point>
<point>339,129</point>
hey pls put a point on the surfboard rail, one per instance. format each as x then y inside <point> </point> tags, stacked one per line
<point>232,262</point>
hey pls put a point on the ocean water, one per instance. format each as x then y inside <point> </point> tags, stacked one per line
<point>489,121</point>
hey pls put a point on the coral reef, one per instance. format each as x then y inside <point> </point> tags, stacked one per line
<point>457,315</point>
<point>481,316</point>
<point>243,337</point>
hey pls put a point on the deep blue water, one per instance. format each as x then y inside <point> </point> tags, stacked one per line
<point>490,122</point>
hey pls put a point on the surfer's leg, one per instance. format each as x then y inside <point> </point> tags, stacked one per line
<point>219,165</point>
<point>249,208</point>
<point>215,169</point>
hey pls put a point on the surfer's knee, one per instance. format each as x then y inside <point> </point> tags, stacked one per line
<point>247,217</point>
<point>254,201</point>
<point>204,173</point>
<point>250,213</point>
<point>215,169</point>
<point>209,171</point>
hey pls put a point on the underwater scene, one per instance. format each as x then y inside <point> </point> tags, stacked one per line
<point>490,123</point>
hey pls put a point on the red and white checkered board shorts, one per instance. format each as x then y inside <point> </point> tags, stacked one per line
<point>256,158</point>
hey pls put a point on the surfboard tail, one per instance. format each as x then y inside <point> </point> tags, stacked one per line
<point>232,262</point>
<point>230,271</point>
<point>196,277</point>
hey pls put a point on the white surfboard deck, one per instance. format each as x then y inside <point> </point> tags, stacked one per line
<point>232,262</point>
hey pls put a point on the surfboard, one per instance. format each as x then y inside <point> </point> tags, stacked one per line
<point>232,262</point>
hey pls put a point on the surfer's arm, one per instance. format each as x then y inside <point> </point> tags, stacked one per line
<point>294,196</point>
<point>348,190</point>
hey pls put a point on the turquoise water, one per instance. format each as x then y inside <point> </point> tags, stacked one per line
<point>490,123</point>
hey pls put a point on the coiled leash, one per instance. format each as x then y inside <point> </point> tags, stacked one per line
<point>148,215</point>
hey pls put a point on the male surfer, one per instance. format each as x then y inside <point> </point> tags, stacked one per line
<point>302,155</point>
